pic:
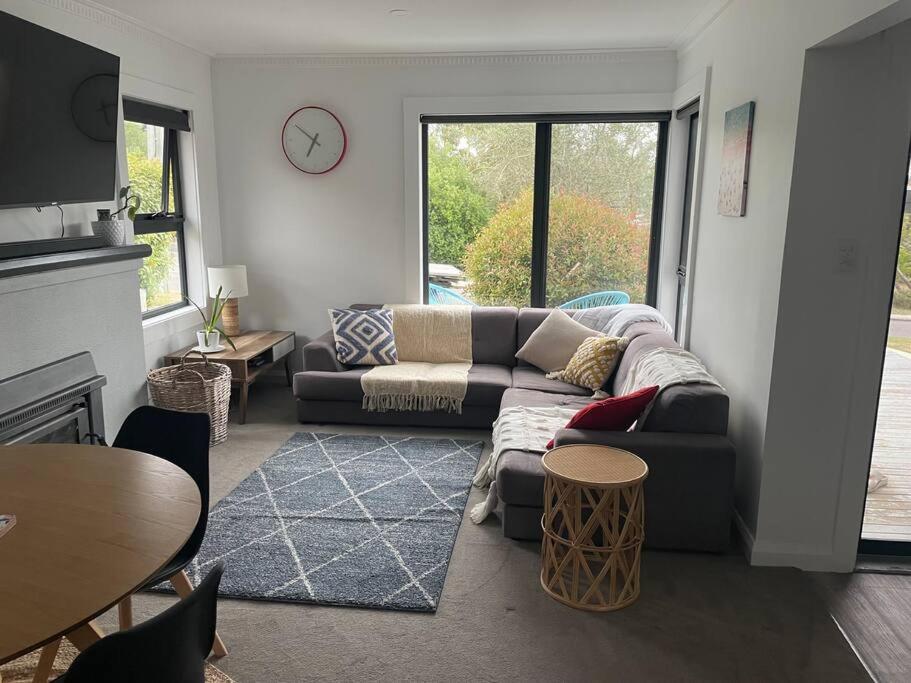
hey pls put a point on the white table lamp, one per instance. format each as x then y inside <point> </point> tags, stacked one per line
<point>233,283</point>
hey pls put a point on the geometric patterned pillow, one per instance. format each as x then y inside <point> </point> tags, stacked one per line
<point>593,362</point>
<point>363,337</point>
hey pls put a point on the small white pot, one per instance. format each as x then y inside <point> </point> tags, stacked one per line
<point>210,340</point>
<point>112,232</point>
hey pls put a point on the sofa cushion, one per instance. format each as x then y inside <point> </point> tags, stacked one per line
<point>617,413</point>
<point>552,345</point>
<point>321,385</point>
<point>363,337</point>
<point>486,384</point>
<point>541,399</point>
<point>687,408</point>
<point>520,478</point>
<point>528,377</point>
<point>637,346</point>
<point>493,335</point>
<point>593,362</point>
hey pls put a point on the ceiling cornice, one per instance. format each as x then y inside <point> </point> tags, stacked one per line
<point>699,25</point>
<point>113,20</point>
<point>575,57</point>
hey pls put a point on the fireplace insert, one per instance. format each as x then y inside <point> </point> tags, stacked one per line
<point>58,403</point>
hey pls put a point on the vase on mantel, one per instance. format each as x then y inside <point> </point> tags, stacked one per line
<point>112,231</point>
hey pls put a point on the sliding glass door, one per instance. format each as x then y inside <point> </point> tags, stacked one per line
<point>526,210</point>
<point>887,512</point>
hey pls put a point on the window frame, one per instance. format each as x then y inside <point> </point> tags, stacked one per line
<point>542,187</point>
<point>163,220</point>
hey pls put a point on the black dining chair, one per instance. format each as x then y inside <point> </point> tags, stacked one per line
<point>172,646</point>
<point>182,439</point>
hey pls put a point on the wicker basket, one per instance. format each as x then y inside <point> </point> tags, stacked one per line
<point>198,387</point>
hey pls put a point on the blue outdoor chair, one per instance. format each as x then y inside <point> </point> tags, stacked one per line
<point>442,295</point>
<point>596,299</point>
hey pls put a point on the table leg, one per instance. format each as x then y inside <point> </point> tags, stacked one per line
<point>288,369</point>
<point>244,392</point>
<point>85,635</point>
<point>46,662</point>
<point>125,613</point>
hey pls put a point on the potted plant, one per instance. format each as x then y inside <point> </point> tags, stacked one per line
<point>108,226</point>
<point>209,337</point>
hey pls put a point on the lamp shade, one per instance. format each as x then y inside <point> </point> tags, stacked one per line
<point>231,279</point>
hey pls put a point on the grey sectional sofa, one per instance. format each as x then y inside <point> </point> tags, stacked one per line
<point>689,491</point>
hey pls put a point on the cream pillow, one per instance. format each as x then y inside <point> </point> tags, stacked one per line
<point>593,362</point>
<point>554,342</point>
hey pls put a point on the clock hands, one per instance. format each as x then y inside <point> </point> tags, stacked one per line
<point>313,139</point>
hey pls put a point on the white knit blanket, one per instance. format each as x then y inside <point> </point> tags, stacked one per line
<point>665,367</point>
<point>615,321</point>
<point>519,428</point>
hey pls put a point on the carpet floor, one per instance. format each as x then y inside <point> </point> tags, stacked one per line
<point>699,617</point>
<point>344,519</point>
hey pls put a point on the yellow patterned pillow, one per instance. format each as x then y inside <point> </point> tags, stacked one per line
<point>593,362</point>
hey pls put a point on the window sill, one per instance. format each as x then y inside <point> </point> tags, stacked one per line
<point>168,324</point>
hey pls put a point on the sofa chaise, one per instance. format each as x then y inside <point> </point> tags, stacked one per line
<point>689,491</point>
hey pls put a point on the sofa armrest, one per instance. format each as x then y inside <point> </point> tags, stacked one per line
<point>689,492</point>
<point>319,354</point>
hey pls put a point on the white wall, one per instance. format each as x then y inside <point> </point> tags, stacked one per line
<point>311,242</point>
<point>52,315</point>
<point>848,191</point>
<point>157,69</point>
<point>756,52</point>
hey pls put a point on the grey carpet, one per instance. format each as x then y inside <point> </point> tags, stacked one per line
<point>340,519</point>
<point>700,617</point>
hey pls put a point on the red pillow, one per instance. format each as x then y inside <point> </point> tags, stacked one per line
<point>614,414</point>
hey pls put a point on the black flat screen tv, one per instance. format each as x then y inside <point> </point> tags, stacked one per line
<point>58,117</point>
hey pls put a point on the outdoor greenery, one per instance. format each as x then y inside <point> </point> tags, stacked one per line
<point>900,344</point>
<point>902,299</point>
<point>145,180</point>
<point>591,247</point>
<point>458,209</point>
<point>480,205</point>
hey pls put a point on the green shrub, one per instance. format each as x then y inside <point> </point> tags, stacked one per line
<point>457,208</point>
<point>145,180</point>
<point>902,299</point>
<point>591,247</point>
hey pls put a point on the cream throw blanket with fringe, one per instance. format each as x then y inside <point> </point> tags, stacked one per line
<point>433,344</point>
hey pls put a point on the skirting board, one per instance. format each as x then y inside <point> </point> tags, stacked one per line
<point>806,558</point>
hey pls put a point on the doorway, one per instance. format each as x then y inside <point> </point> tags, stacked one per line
<point>887,510</point>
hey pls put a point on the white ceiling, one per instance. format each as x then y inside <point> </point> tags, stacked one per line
<point>221,27</point>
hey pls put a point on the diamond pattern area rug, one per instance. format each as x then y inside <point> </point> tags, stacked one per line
<point>357,520</point>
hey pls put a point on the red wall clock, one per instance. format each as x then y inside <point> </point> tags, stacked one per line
<point>314,140</point>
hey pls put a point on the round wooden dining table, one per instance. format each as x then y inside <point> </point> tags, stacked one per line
<point>93,524</point>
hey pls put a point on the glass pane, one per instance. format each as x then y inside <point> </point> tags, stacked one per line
<point>602,180</point>
<point>145,154</point>
<point>159,277</point>
<point>481,178</point>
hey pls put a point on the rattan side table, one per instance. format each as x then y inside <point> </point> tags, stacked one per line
<point>594,526</point>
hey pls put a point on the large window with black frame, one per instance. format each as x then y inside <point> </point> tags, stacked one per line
<point>153,163</point>
<point>542,210</point>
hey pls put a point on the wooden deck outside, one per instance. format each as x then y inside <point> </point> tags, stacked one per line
<point>888,510</point>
